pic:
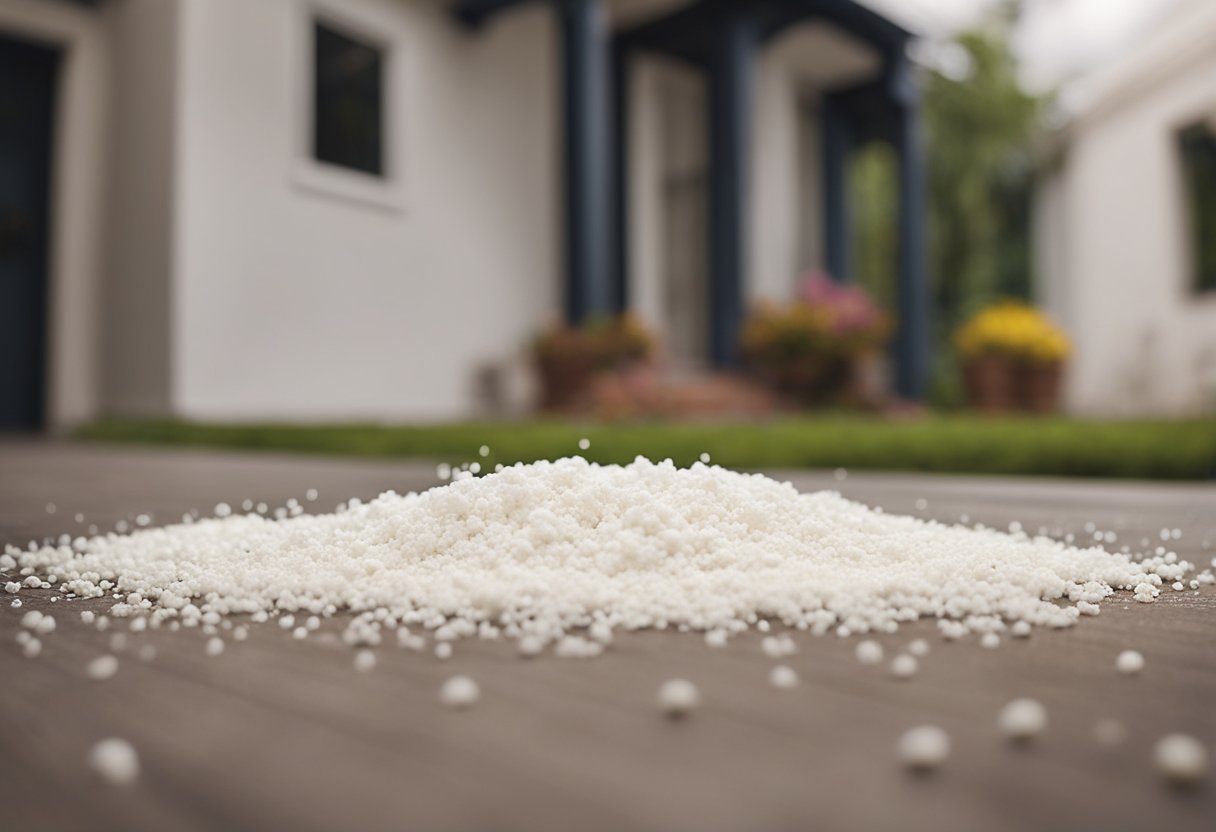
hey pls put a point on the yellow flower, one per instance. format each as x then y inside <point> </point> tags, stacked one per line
<point>1013,330</point>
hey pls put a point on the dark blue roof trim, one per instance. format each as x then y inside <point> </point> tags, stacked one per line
<point>688,32</point>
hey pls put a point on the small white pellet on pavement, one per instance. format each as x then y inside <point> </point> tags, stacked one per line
<point>919,648</point>
<point>923,748</point>
<point>215,646</point>
<point>1022,719</point>
<point>869,652</point>
<point>678,697</point>
<point>459,692</point>
<point>1129,662</point>
<point>990,641</point>
<point>1181,758</point>
<point>115,761</point>
<point>783,677</point>
<point>1020,629</point>
<point>443,650</point>
<point>102,667</point>
<point>904,666</point>
<point>530,646</point>
<point>365,660</point>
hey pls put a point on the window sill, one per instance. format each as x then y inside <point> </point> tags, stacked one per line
<point>351,186</point>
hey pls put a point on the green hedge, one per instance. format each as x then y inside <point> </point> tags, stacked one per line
<point>960,444</point>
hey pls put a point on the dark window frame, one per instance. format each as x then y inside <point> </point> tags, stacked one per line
<point>1196,143</point>
<point>349,126</point>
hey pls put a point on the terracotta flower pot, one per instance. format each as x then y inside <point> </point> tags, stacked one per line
<point>564,379</point>
<point>989,384</point>
<point>809,380</point>
<point>1038,386</point>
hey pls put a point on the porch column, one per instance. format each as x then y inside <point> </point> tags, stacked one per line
<point>619,296</point>
<point>585,82</point>
<point>730,116</point>
<point>837,222</point>
<point>912,337</point>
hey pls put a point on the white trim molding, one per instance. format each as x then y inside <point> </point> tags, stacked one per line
<point>387,192</point>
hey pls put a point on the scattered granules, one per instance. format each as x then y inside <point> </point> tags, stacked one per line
<point>1022,719</point>
<point>459,692</point>
<point>115,761</point>
<point>783,677</point>
<point>923,748</point>
<point>678,698</point>
<point>904,666</point>
<point>1181,758</point>
<point>1129,662</point>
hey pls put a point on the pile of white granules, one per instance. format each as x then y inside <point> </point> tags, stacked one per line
<point>540,550</point>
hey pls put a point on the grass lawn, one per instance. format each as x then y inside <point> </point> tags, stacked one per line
<point>961,444</point>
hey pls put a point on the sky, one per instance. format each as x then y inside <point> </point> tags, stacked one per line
<point>1055,40</point>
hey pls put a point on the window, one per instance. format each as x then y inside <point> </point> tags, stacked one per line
<point>1197,145</point>
<point>348,101</point>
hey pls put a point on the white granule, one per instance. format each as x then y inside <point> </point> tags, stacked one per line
<point>530,645</point>
<point>564,545</point>
<point>1022,719</point>
<point>1181,758</point>
<point>365,660</point>
<point>443,650</point>
<point>575,647</point>
<point>1020,629</point>
<point>919,648</point>
<point>1129,662</point>
<point>115,761</point>
<point>783,677</point>
<point>776,647</point>
<point>869,652</point>
<point>215,646</point>
<point>459,692</point>
<point>87,617</point>
<point>990,641</point>
<point>678,697</point>
<point>904,666</point>
<point>102,667</point>
<point>924,748</point>
<point>31,647</point>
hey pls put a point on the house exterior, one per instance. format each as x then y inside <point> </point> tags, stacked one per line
<point>357,209</point>
<point>1126,224</point>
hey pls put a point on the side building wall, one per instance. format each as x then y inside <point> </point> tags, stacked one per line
<point>1114,254</point>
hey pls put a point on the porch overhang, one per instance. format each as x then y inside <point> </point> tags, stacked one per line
<point>689,33</point>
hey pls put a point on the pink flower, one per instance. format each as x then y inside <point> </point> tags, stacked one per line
<point>849,307</point>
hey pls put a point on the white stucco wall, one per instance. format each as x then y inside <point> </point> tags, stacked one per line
<point>136,337</point>
<point>78,189</point>
<point>1114,253</point>
<point>293,303</point>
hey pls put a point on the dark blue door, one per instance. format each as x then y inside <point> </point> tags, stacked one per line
<point>27,108</point>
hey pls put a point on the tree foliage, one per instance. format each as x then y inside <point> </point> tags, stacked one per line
<point>980,129</point>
